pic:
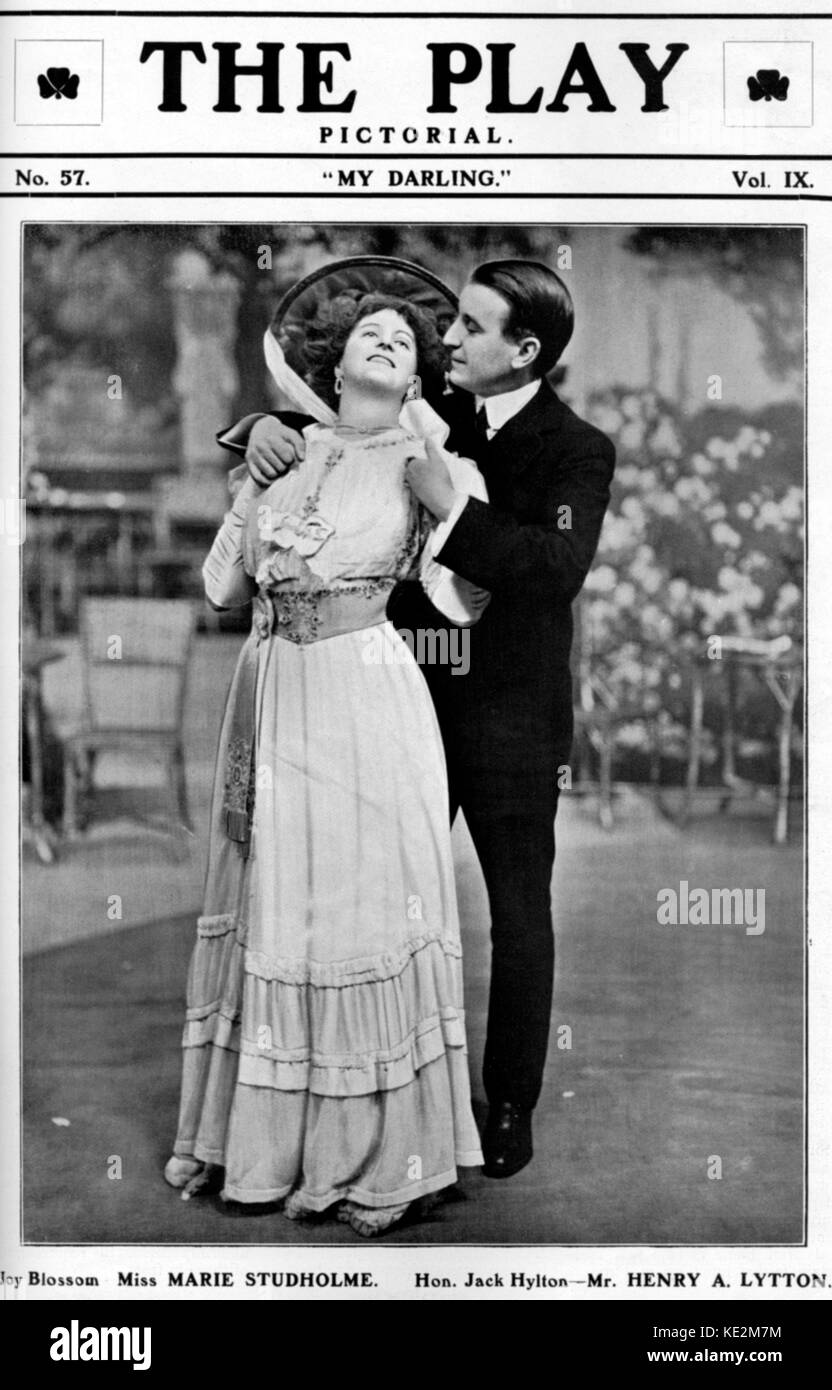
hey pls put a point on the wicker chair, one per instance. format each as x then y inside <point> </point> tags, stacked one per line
<point>135,660</point>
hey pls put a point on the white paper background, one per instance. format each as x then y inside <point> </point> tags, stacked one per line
<point>388,91</point>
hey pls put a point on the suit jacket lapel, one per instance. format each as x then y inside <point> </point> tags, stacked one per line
<point>457,409</point>
<point>515,447</point>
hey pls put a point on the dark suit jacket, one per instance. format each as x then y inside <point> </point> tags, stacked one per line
<point>507,723</point>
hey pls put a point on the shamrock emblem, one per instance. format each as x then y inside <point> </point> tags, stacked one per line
<point>767,84</point>
<point>58,82</point>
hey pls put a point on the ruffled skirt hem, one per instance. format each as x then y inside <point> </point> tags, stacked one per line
<point>378,1150</point>
<point>343,1041</point>
<point>315,1202</point>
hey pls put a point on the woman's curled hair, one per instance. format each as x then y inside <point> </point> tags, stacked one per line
<point>325,338</point>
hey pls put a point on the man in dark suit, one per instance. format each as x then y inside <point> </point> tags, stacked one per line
<point>506,724</point>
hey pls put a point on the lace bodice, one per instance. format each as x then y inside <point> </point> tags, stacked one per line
<point>340,526</point>
<point>343,517</point>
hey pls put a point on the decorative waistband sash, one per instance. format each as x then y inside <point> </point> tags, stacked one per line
<point>302,616</point>
<point>298,616</point>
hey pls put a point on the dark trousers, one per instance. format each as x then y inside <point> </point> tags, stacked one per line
<point>516,853</point>
<point>514,837</point>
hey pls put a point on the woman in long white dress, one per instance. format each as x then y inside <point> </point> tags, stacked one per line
<point>325,1053</point>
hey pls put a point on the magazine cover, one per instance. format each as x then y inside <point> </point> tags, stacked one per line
<point>415,875</point>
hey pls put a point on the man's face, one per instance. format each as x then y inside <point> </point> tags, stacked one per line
<point>481,357</point>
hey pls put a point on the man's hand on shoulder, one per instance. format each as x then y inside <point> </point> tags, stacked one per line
<point>273,448</point>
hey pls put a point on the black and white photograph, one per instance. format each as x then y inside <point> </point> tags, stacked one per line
<point>412,731</point>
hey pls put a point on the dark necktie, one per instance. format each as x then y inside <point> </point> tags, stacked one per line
<point>481,423</point>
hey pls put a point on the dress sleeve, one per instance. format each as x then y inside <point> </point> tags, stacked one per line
<point>456,598</point>
<point>227,583</point>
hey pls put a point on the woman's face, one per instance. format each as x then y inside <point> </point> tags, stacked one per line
<point>380,352</point>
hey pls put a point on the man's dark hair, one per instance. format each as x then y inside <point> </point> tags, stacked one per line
<point>539,304</point>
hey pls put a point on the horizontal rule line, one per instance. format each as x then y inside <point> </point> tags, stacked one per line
<point>486,193</point>
<point>395,14</point>
<point>396,154</point>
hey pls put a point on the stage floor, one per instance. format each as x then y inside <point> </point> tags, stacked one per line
<point>686,1045</point>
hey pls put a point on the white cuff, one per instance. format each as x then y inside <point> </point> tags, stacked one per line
<point>443,529</point>
<point>455,598</point>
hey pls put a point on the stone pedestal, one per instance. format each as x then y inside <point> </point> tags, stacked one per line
<point>205,317</point>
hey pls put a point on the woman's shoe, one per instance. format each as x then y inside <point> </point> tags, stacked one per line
<point>370,1221</point>
<point>296,1209</point>
<point>208,1181</point>
<point>194,1177</point>
<point>180,1171</point>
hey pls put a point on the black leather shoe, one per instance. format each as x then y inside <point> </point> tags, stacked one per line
<point>507,1140</point>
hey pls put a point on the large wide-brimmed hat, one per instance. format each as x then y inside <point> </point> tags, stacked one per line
<point>354,277</point>
<point>305,304</point>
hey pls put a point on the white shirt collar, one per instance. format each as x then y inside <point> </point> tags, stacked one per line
<point>500,409</point>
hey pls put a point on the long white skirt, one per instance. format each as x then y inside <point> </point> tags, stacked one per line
<point>324,1048</point>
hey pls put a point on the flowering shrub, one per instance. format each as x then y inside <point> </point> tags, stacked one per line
<point>704,537</point>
